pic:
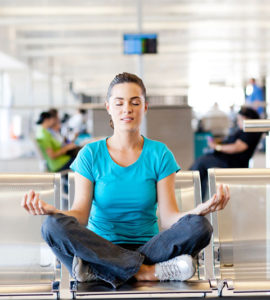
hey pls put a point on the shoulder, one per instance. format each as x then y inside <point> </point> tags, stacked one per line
<point>94,148</point>
<point>162,159</point>
<point>43,133</point>
<point>249,136</point>
<point>89,156</point>
<point>155,145</point>
<point>158,151</point>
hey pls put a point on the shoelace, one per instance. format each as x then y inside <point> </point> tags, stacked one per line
<point>170,270</point>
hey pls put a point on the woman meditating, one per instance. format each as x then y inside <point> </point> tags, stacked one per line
<point>111,232</point>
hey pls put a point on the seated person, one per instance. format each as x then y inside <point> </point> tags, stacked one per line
<point>77,124</point>
<point>55,154</point>
<point>111,232</point>
<point>234,152</point>
<point>55,131</point>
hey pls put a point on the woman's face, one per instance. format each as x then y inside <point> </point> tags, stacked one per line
<point>48,122</point>
<point>126,106</point>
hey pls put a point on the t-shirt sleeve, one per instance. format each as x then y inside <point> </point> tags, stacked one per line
<point>168,164</point>
<point>83,164</point>
<point>44,144</point>
<point>250,138</point>
<point>45,141</point>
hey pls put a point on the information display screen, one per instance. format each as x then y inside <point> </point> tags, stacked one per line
<point>140,43</point>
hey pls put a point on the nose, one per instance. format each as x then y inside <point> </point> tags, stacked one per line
<point>127,107</point>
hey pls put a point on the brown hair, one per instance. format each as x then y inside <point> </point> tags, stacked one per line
<point>125,78</point>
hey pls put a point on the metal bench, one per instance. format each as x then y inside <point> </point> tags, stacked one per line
<point>188,194</point>
<point>241,231</point>
<point>27,265</point>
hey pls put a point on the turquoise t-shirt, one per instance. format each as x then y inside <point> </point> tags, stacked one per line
<point>125,198</point>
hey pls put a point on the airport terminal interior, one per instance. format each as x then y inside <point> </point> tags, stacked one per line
<point>206,68</point>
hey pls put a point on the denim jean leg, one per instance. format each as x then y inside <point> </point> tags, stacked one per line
<point>108,261</point>
<point>189,235</point>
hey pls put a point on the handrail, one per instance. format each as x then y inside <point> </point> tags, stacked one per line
<point>256,125</point>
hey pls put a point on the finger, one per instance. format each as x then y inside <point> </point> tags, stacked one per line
<point>36,205</point>
<point>227,195</point>
<point>226,198</point>
<point>41,207</point>
<point>29,201</point>
<point>210,204</point>
<point>227,191</point>
<point>23,202</point>
<point>216,203</point>
<point>220,191</point>
<point>213,200</point>
<point>221,199</point>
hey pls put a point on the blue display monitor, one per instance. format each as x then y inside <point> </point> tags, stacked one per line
<point>140,43</point>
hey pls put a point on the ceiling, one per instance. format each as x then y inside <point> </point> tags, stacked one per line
<point>221,42</point>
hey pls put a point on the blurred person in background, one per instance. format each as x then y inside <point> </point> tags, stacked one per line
<point>235,150</point>
<point>77,124</point>
<point>255,97</point>
<point>55,154</point>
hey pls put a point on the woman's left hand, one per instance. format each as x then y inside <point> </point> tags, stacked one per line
<point>217,202</point>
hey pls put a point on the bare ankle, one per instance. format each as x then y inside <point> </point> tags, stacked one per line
<point>146,273</point>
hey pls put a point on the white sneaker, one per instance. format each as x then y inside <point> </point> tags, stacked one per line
<point>179,268</point>
<point>81,271</point>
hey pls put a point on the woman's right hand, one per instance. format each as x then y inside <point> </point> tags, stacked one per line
<point>35,206</point>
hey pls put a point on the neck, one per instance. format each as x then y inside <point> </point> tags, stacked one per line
<point>126,140</point>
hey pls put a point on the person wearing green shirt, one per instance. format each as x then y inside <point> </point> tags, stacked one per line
<point>54,153</point>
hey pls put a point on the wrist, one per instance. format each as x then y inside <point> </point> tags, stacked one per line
<point>196,210</point>
<point>218,148</point>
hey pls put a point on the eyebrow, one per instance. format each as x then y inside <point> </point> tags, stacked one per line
<point>132,98</point>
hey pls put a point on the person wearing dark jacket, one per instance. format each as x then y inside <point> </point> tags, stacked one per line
<point>234,152</point>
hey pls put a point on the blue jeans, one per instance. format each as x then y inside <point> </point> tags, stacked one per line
<point>113,263</point>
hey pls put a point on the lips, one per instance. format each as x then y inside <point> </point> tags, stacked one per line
<point>127,119</point>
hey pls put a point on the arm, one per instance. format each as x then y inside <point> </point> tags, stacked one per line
<point>168,209</point>
<point>63,150</point>
<point>80,208</point>
<point>169,212</point>
<point>236,147</point>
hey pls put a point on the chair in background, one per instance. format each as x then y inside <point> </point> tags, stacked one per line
<point>242,231</point>
<point>188,194</point>
<point>27,265</point>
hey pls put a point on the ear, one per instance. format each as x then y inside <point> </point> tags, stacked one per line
<point>145,107</point>
<point>107,105</point>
